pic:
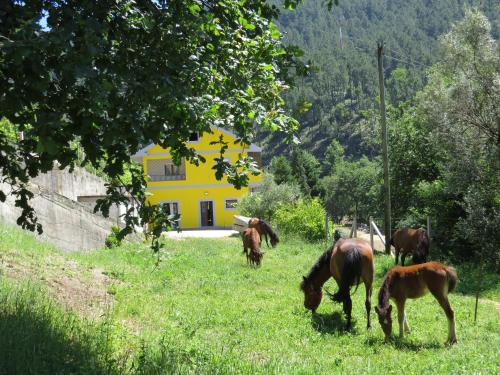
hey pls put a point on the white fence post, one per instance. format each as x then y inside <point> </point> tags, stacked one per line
<point>378,233</point>
<point>371,233</point>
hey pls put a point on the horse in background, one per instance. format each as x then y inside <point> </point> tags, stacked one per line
<point>414,281</point>
<point>408,240</point>
<point>348,261</point>
<point>251,246</point>
<point>264,229</point>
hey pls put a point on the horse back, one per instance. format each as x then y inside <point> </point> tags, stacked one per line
<point>251,238</point>
<point>406,238</point>
<point>414,281</point>
<point>341,251</point>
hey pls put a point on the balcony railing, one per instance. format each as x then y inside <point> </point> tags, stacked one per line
<point>162,177</point>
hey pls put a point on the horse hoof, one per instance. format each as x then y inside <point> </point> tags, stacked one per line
<point>450,342</point>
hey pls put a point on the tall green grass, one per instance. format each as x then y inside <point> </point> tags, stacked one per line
<point>202,310</point>
<point>38,337</point>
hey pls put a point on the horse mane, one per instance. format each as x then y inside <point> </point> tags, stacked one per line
<point>268,230</point>
<point>320,263</point>
<point>384,293</point>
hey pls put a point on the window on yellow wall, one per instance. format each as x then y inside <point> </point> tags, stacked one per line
<point>172,208</point>
<point>166,170</point>
<point>257,157</point>
<point>231,204</point>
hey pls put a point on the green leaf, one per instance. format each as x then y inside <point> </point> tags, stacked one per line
<point>265,67</point>
<point>247,25</point>
<point>194,9</point>
<point>275,33</point>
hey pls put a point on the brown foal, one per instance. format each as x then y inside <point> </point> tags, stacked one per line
<point>251,246</point>
<point>415,281</point>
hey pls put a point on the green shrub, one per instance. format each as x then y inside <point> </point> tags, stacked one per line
<point>263,204</point>
<point>305,218</point>
<point>113,240</point>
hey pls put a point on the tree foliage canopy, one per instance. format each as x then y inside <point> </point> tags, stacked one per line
<point>116,75</point>
<point>445,150</point>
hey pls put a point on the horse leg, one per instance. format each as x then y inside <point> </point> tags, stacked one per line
<point>401,316</point>
<point>450,315</point>
<point>347,305</point>
<point>403,256</point>
<point>397,254</point>
<point>368,304</point>
<point>406,326</point>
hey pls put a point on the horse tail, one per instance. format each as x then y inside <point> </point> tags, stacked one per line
<point>351,274</point>
<point>452,278</point>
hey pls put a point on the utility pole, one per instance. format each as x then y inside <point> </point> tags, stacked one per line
<point>387,187</point>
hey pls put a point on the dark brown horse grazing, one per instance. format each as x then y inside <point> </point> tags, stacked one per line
<point>349,260</point>
<point>264,229</point>
<point>251,246</point>
<point>408,240</point>
<point>415,281</point>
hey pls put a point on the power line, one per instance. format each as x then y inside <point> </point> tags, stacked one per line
<point>399,56</point>
<point>412,63</point>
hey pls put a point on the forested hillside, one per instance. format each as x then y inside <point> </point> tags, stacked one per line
<point>342,42</point>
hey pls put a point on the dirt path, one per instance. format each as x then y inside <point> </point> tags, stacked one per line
<point>377,243</point>
<point>84,291</point>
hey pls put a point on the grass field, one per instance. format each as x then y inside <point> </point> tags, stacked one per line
<point>203,310</point>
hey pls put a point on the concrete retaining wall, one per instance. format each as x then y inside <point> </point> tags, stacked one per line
<point>71,185</point>
<point>68,224</point>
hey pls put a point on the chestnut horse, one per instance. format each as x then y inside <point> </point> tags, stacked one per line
<point>251,246</point>
<point>408,240</point>
<point>415,281</point>
<point>349,260</point>
<point>264,229</point>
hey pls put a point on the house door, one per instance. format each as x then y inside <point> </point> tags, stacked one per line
<point>207,213</point>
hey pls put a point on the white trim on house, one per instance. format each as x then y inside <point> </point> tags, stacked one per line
<point>200,186</point>
<point>144,151</point>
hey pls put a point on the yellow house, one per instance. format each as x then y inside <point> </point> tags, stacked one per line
<point>193,191</point>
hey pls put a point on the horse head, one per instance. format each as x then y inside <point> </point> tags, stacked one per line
<point>385,320</point>
<point>266,229</point>
<point>312,294</point>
